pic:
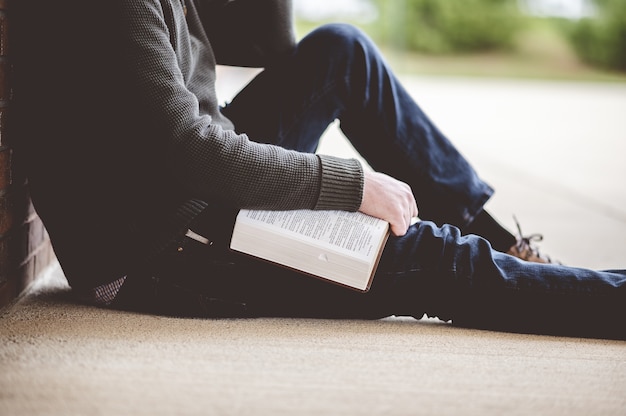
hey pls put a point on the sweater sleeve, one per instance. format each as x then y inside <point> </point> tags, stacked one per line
<point>248,32</point>
<point>209,159</point>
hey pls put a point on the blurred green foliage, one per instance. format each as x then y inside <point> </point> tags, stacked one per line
<point>601,40</point>
<point>449,26</point>
<point>467,28</point>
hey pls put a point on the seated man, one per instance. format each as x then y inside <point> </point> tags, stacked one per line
<point>127,148</point>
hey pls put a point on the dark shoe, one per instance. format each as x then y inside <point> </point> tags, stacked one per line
<point>525,250</point>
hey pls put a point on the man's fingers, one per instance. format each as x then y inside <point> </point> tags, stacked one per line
<point>387,198</point>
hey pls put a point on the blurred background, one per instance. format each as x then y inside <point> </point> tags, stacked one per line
<point>532,92</point>
<point>548,39</point>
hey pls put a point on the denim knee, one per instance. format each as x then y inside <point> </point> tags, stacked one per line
<point>337,34</point>
<point>340,40</point>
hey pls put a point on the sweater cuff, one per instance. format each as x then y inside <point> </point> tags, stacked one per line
<point>341,186</point>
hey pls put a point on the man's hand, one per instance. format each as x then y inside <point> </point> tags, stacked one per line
<point>389,199</point>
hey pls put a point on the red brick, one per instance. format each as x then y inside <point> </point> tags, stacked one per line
<point>4,31</point>
<point>5,256</point>
<point>5,169</point>
<point>4,140</point>
<point>6,214</point>
<point>5,91</point>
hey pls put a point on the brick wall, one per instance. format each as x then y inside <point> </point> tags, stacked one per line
<point>25,249</point>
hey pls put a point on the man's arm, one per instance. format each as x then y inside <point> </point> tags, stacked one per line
<point>216,163</point>
<point>248,32</point>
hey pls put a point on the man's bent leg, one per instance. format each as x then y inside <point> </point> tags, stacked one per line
<point>336,72</point>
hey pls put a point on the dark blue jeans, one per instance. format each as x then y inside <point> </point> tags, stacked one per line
<point>337,73</point>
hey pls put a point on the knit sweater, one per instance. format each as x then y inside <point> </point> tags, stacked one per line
<point>122,131</point>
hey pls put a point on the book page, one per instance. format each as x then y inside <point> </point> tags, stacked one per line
<point>352,232</point>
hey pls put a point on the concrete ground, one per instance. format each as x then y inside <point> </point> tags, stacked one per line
<point>553,151</point>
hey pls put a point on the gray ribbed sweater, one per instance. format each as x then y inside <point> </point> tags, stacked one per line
<point>175,66</point>
<point>116,111</point>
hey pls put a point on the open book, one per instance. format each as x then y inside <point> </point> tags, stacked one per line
<point>339,246</point>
